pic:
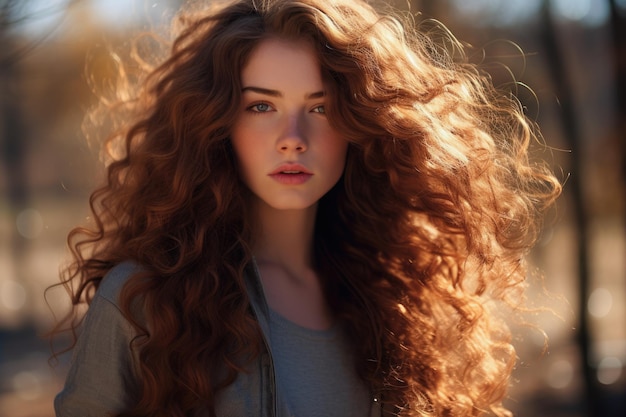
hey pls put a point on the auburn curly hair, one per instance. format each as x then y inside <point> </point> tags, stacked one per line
<point>419,244</point>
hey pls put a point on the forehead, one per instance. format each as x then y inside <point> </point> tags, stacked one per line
<point>277,62</point>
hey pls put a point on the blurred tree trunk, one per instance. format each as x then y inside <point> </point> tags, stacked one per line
<point>560,77</point>
<point>618,29</point>
<point>12,135</point>
<point>13,130</point>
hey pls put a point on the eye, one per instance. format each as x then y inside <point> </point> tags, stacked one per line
<point>319,109</point>
<point>260,108</point>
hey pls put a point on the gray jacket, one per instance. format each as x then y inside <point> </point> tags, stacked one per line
<point>102,379</point>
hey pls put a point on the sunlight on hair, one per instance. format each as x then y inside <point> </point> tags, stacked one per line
<point>423,225</point>
<point>560,374</point>
<point>609,370</point>
<point>600,303</point>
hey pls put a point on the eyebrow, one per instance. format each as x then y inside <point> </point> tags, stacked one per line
<point>276,93</point>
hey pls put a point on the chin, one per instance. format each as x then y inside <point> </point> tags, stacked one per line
<point>292,205</point>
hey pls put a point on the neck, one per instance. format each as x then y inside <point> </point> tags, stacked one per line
<point>284,237</point>
<point>283,249</point>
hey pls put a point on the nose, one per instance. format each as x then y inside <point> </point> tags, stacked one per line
<point>293,137</point>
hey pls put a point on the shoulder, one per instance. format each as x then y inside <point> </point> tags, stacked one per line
<point>113,282</point>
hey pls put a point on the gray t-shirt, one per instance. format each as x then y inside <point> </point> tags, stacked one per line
<point>102,380</point>
<point>315,370</point>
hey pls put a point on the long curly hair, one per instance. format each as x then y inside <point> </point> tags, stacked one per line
<point>419,245</point>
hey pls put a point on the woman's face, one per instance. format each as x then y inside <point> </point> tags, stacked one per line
<point>288,154</point>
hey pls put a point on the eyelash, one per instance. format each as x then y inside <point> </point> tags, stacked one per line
<point>254,108</point>
<point>256,105</point>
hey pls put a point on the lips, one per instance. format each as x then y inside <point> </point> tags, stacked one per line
<point>291,174</point>
<point>291,169</point>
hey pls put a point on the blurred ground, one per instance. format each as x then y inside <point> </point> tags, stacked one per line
<point>27,381</point>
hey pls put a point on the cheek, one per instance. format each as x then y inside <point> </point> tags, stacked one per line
<point>242,148</point>
<point>242,139</point>
<point>336,150</point>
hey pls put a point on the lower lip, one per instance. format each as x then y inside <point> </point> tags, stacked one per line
<point>291,179</point>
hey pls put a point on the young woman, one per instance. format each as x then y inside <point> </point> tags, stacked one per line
<point>316,212</point>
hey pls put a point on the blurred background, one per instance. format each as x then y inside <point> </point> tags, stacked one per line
<point>574,62</point>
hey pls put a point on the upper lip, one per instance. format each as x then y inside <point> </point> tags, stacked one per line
<point>290,168</point>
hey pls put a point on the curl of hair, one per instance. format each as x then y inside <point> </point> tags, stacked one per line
<point>418,244</point>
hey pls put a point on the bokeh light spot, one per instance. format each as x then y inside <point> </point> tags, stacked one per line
<point>498,12</point>
<point>609,370</point>
<point>27,385</point>
<point>588,12</point>
<point>29,223</point>
<point>12,295</point>
<point>560,374</point>
<point>600,303</point>
<point>570,9</point>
